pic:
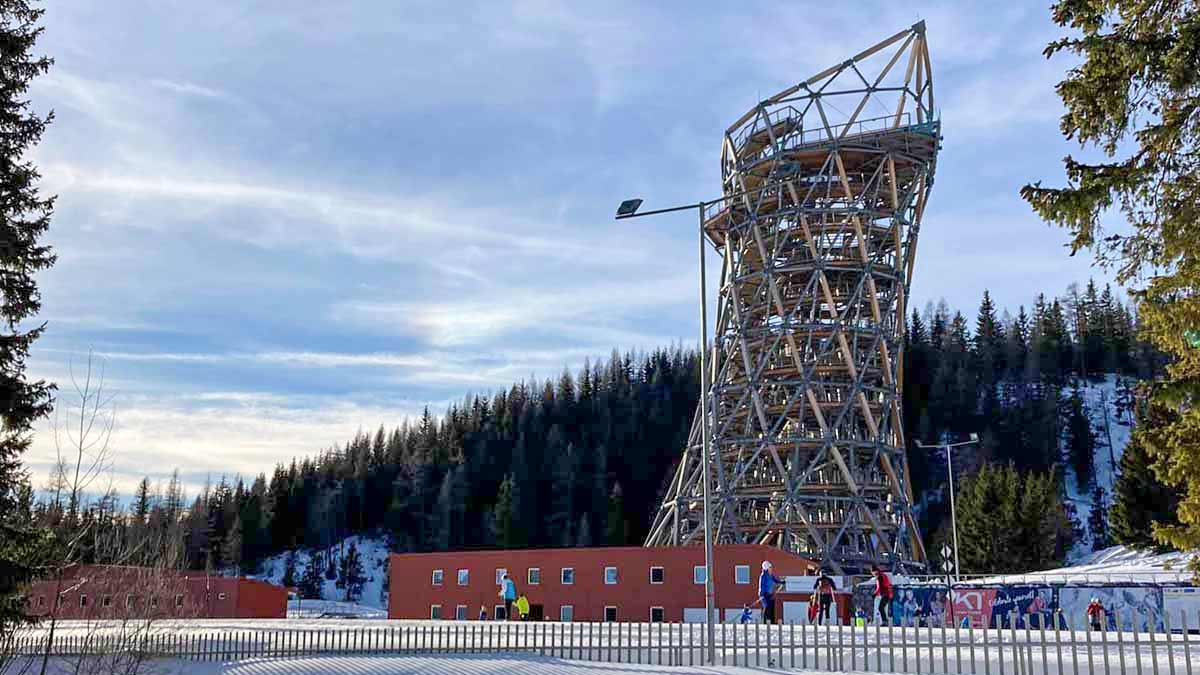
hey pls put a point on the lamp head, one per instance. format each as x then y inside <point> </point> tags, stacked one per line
<point>628,207</point>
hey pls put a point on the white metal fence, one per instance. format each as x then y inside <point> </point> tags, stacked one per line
<point>1019,649</point>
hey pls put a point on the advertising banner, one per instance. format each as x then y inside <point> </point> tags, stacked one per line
<point>1129,607</point>
<point>920,606</point>
<point>973,604</point>
<point>1022,606</point>
<point>1179,603</point>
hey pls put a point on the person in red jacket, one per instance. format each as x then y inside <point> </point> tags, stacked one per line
<point>1095,614</point>
<point>883,591</point>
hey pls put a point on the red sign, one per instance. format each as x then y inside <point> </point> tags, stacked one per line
<point>974,604</point>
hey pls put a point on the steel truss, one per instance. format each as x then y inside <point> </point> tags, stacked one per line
<point>818,233</point>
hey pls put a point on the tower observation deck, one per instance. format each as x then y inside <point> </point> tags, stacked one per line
<point>824,188</point>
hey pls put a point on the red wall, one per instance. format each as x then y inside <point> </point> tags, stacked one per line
<point>412,591</point>
<point>260,600</point>
<point>202,596</point>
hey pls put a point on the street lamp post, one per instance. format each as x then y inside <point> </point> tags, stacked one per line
<point>628,209</point>
<point>950,477</point>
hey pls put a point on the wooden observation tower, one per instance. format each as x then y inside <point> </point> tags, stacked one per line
<point>824,187</point>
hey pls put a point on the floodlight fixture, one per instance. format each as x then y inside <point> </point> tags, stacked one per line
<point>628,208</point>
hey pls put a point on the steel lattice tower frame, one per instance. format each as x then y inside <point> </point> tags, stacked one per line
<point>823,199</point>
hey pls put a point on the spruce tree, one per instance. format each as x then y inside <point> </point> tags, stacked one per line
<point>289,570</point>
<point>1134,97</point>
<point>1140,499</point>
<point>24,219</point>
<point>351,575</point>
<point>504,518</point>
<point>617,533</point>
<point>313,582</point>
<point>1081,440</point>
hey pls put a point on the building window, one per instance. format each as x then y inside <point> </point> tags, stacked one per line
<point>568,576</point>
<point>566,613</point>
<point>106,601</point>
<point>129,601</point>
<point>154,602</point>
<point>435,612</point>
<point>500,572</point>
<point>657,614</point>
<point>464,577</point>
<point>179,599</point>
<point>498,612</point>
<point>83,600</point>
<point>534,576</point>
<point>610,575</point>
<point>610,613</point>
<point>699,574</point>
<point>220,596</point>
<point>656,575</point>
<point>741,574</point>
<point>460,613</point>
<point>438,576</point>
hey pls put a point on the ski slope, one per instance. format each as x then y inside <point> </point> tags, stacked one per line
<point>1113,428</point>
<point>371,605</point>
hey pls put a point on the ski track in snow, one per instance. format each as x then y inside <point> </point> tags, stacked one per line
<point>1097,396</point>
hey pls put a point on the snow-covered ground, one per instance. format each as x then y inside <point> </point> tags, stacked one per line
<point>372,604</point>
<point>1112,435</point>
<point>424,665</point>
<point>1116,564</point>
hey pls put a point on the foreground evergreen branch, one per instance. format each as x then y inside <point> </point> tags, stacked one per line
<point>1136,97</point>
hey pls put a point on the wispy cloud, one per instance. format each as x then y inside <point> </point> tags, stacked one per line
<point>189,89</point>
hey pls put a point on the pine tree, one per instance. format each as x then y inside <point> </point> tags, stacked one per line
<point>504,516</point>
<point>1134,98</point>
<point>231,546</point>
<point>1140,499</point>
<point>351,575</point>
<point>1081,440</point>
<point>312,583</point>
<point>289,570</point>
<point>617,533</point>
<point>24,218</point>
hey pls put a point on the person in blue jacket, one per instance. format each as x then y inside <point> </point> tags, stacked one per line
<point>508,591</point>
<point>768,583</point>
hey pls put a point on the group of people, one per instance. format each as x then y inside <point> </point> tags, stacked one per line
<point>822,603</point>
<point>508,593</point>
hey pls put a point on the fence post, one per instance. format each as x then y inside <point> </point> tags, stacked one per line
<point>1170,641</point>
<point>1091,669</point>
<point>1137,641</point>
<point>1152,629</point>
<point>1187,647</point>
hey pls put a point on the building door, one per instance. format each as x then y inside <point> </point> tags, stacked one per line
<point>536,613</point>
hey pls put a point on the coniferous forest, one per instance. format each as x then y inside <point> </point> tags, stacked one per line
<point>581,460</point>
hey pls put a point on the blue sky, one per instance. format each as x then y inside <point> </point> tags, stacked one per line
<point>281,223</point>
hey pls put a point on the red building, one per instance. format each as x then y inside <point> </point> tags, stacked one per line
<point>125,592</point>
<point>592,584</point>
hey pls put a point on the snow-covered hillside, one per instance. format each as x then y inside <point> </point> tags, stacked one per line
<point>373,602</point>
<point>1116,564</point>
<point>1113,427</point>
